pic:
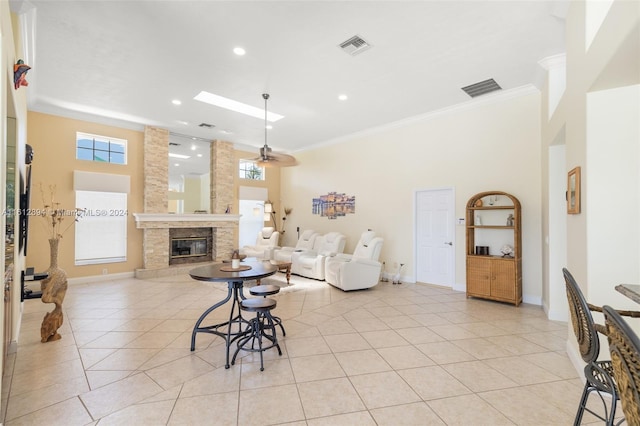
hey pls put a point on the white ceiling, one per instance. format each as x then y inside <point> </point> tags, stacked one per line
<point>123,62</point>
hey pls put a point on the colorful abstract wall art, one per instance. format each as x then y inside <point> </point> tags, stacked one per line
<point>334,205</point>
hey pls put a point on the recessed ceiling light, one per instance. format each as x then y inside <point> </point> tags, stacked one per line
<point>199,155</point>
<point>226,132</point>
<point>177,164</point>
<point>193,147</point>
<point>176,102</point>
<point>183,122</point>
<point>343,97</point>
<point>269,127</point>
<point>236,106</point>
<point>239,51</point>
<point>182,157</point>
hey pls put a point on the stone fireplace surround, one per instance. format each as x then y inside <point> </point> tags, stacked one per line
<point>156,222</point>
<point>157,240</point>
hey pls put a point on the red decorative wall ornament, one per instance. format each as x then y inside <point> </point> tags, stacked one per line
<point>20,74</point>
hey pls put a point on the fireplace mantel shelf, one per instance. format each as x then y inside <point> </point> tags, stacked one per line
<point>156,220</point>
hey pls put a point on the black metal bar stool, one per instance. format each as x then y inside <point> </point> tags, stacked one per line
<point>264,291</point>
<point>260,327</point>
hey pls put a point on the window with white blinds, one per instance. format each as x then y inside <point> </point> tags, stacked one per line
<point>101,234</point>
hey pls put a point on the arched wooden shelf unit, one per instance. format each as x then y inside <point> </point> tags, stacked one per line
<point>489,228</point>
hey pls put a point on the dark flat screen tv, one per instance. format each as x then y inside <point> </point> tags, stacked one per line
<point>25,198</point>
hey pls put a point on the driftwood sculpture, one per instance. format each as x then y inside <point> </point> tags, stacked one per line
<point>54,288</point>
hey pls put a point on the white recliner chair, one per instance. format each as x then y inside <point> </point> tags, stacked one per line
<point>305,242</point>
<point>266,242</point>
<point>310,263</point>
<point>359,270</point>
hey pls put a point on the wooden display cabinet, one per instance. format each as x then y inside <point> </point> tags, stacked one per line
<point>489,227</point>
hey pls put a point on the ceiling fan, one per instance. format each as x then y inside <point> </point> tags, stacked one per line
<point>269,158</point>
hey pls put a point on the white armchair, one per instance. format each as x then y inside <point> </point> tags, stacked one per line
<point>266,242</point>
<point>310,263</point>
<point>305,242</point>
<point>357,271</point>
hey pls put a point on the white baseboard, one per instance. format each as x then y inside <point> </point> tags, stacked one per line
<point>555,315</point>
<point>460,287</point>
<point>403,279</point>
<point>576,360</point>
<point>532,300</point>
<point>100,278</point>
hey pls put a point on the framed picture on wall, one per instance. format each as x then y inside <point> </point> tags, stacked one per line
<point>573,191</point>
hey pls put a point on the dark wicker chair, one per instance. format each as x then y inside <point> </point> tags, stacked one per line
<point>598,373</point>
<point>624,347</point>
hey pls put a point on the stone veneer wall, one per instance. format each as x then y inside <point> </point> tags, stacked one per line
<point>223,168</point>
<point>156,184</point>
<point>156,170</point>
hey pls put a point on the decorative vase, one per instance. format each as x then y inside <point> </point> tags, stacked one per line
<point>53,253</point>
<point>54,288</point>
<point>510,220</point>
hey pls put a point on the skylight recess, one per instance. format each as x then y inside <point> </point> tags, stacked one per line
<point>236,106</point>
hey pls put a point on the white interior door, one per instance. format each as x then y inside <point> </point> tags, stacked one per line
<point>435,232</point>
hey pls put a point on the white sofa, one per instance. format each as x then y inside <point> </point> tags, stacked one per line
<point>305,242</point>
<point>266,242</point>
<point>310,263</point>
<point>359,270</point>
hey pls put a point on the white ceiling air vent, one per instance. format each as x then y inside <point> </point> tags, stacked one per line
<point>207,125</point>
<point>482,88</point>
<point>354,45</point>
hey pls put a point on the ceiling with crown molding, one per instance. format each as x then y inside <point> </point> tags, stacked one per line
<point>122,63</point>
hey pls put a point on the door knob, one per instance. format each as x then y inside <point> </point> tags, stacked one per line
<point>450,243</point>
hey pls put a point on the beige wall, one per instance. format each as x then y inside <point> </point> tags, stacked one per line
<point>53,141</point>
<point>13,103</point>
<point>490,144</point>
<point>597,120</point>
<point>613,173</point>
<point>587,71</point>
<point>611,62</point>
<point>498,147</point>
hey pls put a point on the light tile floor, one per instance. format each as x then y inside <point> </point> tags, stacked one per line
<point>408,354</point>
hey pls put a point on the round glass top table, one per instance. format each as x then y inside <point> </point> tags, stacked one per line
<point>222,272</point>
